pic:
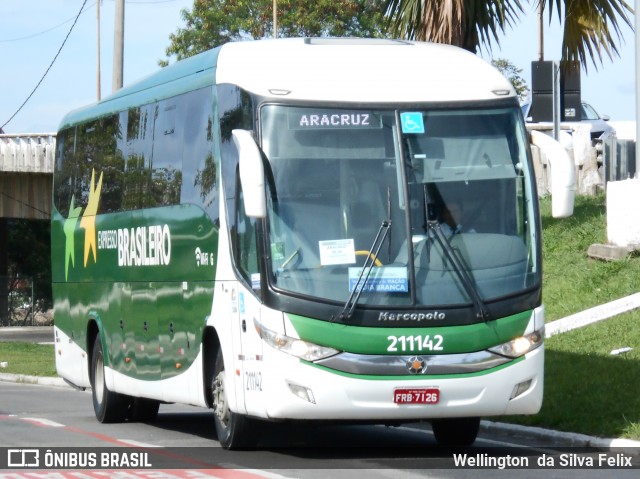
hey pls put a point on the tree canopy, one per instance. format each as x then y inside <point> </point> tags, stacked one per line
<point>211,23</point>
<point>512,73</point>
<point>591,27</point>
<point>464,23</point>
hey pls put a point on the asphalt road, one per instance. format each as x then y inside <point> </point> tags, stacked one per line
<point>44,416</point>
<point>51,418</point>
<point>28,334</point>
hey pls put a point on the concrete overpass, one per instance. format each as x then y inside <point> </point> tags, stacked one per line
<point>26,168</point>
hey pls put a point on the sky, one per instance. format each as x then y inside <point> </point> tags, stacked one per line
<point>33,31</point>
<point>608,86</point>
<point>72,80</point>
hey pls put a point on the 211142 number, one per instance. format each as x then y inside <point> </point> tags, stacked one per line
<point>417,343</point>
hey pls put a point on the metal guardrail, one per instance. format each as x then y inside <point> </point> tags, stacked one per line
<point>619,159</point>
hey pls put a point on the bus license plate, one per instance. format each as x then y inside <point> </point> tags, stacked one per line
<point>416,396</point>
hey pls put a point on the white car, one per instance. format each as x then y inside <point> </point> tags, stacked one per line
<point>600,127</point>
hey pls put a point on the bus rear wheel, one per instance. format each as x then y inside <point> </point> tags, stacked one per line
<point>232,429</point>
<point>109,406</point>
<point>460,431</point>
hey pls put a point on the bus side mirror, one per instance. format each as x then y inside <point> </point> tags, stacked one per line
<point>563,174</point>
<point>251,174</point>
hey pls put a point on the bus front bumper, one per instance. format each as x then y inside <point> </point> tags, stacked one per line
<point>292,389</point>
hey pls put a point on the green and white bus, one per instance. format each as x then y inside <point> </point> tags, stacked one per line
<point>257,230</point>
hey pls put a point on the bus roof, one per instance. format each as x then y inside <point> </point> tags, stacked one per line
<point>185,75</point>
<point>359,70</point>
<point>320,69</point>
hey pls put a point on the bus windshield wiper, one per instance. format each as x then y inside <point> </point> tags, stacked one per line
<point>459,267</point>
<point>286,262</point>
<point>352,301</point>
<point>453,255</point>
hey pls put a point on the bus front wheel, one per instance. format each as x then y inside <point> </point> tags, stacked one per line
<point>459,431</point>
<point>109,406</point>
<point>232,428</point>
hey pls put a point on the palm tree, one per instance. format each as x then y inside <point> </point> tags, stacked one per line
<point>591,27</point>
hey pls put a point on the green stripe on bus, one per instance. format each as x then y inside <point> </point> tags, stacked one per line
<point>368,340</point>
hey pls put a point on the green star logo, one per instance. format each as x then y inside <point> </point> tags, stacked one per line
<point>88,221</point>
<point>69,230</point>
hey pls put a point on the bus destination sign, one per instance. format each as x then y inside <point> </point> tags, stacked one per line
<point>323,119</point>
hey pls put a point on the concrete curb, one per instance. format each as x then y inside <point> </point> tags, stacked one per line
<point>593,315</point>
<point>40,380</point>
<point>555,438</point>
<point>559,438</point>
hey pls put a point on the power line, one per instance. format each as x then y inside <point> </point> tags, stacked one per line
<point>24,204</point>
<point>33,35</point>
<point>49,68</point>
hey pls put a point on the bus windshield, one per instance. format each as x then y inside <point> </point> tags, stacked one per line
<point>454,186</point>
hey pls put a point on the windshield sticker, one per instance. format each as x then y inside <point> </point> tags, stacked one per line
<point>255,280</point>
<point>334,252</point>
<point>241,302</point>
<point>387,279</point>
<point>412,122</point>
<point>332,120</point>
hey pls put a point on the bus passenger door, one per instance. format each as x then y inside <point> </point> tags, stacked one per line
<point>249,309</point>
<point>251,360</point>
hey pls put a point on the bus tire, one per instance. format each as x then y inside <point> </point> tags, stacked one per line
<point>109,406</point>
<point>232,429</point>
<point>143,410</point>
<point>461,431</point>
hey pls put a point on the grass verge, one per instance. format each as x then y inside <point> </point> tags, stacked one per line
<point>29,359</point>
<point>573,282</point>
<point>588,390</point>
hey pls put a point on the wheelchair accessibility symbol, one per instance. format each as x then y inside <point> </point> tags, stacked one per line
<point>412,122</point>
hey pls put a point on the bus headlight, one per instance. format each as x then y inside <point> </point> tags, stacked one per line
<point>519,346</point>
<point>295,347</point>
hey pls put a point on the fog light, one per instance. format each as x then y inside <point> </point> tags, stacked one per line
<point>520,388</point>
<point>302,392</point>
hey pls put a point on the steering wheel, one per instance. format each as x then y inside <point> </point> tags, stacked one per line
<point>376,261</point>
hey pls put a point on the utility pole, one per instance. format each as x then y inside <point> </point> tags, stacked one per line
<point>637,26</point>
<point>99,88</point>
<point>275,18</point>
<point>540,33</point>
<point>118,47</point>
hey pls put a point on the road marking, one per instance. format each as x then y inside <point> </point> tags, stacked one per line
<point>133,442</point>
<point>42,422</point>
